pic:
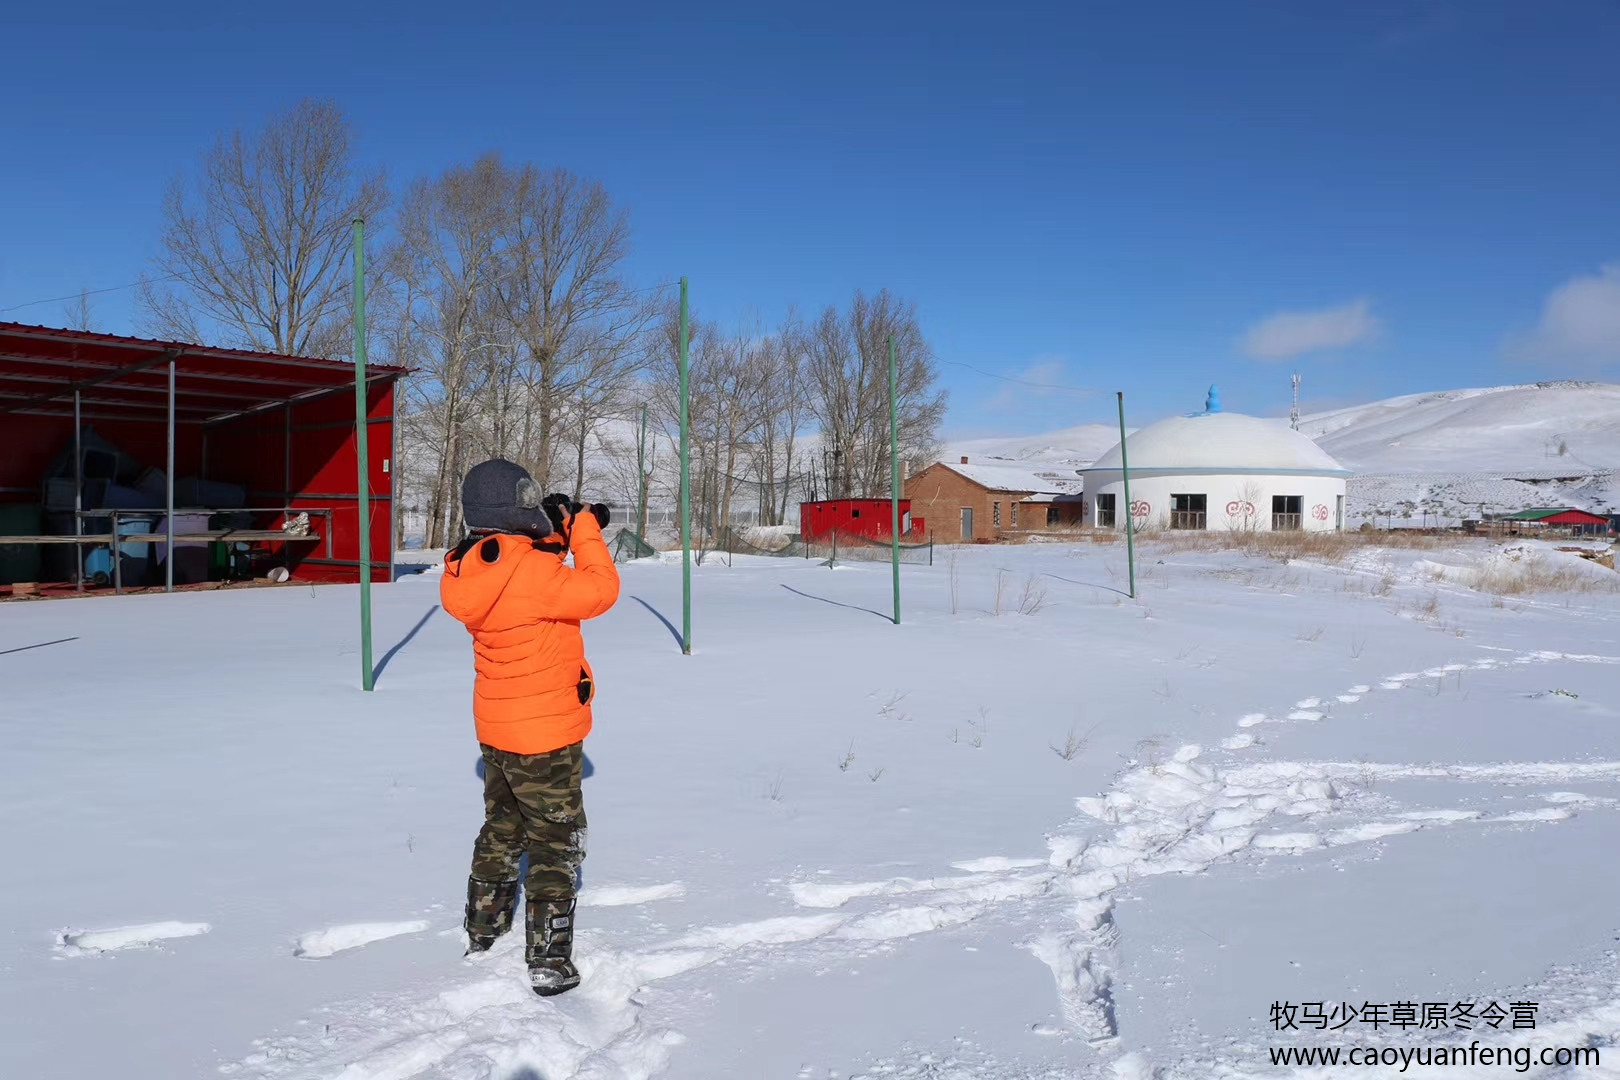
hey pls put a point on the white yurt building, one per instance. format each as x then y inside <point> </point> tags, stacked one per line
<point>1218,471</point>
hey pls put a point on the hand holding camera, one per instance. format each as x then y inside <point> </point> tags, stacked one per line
<point>563,510</point>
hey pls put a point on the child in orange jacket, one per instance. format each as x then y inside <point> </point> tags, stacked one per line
<point>509,584</point>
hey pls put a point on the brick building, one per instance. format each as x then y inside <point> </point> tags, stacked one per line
<point>965,501</point>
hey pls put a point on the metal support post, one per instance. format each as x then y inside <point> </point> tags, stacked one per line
<point>686,483</point>
<point>894,480</point>
<point>78,490</point>
<point>1125,475</point>
<point>362,452</point>
<point>168,501</point>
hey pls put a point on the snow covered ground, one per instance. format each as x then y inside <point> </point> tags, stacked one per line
<point>1097,837</point>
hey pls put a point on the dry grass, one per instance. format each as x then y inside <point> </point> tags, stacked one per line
<point>1329,547</point>
<point>1535,575</point>
<point>1033,598</point>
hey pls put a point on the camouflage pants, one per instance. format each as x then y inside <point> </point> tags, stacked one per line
<point>532,803</point>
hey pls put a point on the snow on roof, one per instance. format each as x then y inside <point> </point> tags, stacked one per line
<point>1010,476</point>
<point>1220,441</point>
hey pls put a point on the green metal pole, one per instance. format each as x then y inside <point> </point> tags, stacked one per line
<point>894,478</point>
<point>362,453</point>
<point>1125,473</point>
<point>641,477</point>
<point>686,485</point>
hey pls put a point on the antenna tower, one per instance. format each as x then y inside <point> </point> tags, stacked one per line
<point>1293,410</point>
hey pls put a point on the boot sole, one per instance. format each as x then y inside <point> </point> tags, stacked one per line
<point>553,991</point>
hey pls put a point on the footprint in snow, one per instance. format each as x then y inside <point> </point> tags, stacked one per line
<point>1305,714</point>
<point>627,895</point>
<point>995,864</point>
<point>114,939</point>
<point>319,944</point>
<point>1308,703</point>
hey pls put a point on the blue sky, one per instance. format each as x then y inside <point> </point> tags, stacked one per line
<point>1098,196</point>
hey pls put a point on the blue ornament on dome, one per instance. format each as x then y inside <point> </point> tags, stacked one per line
<point>1212,404</point>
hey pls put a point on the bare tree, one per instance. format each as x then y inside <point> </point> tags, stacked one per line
<point>562,296</point>
<point>784,412</point>
<point>257,245</point>
<point>446,262</point>
<point>78,314</point>
<point>849,383</point>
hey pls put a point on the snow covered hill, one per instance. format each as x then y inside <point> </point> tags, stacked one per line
<point>1562,428</point>
<point>1066,450</point>
<point>1431,458</point>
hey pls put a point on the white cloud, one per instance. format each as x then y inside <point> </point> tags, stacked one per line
<point>1293,333</point>
<point>1580,323</point>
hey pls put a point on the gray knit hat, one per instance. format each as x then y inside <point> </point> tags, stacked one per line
<point>501,496</point>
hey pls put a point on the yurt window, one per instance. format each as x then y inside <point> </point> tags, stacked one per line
<point>1187,511</point>
<point>1287,512</point>
<point>1105,511</point>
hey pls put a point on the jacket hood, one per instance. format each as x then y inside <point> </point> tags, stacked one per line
<point>474,581</point>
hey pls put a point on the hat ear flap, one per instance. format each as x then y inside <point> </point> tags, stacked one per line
<point>528,494</point>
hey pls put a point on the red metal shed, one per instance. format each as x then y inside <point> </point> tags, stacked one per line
<point>856,517</point>
<point>279,429</point>
<point>1573,516</point>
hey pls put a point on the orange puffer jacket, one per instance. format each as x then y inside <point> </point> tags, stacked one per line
<point>523,606</point>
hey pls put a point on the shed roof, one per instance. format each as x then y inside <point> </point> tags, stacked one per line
<point>997,476</point>
<point>126,378</point>
<point>1570,514</point>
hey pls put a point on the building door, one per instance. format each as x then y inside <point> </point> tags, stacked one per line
<point>967,522</point>
<point>1338,519</point>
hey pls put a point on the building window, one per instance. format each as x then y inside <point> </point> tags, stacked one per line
<point>1104,513</point>
<point>1187,511</point>
<point>1015,515</point>
<point>855,513</point>
<point>995,515</point>
<point>1287,512</point>
<point>1051,517</point>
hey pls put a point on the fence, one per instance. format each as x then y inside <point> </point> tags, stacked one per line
<point>630,545</point>
<point>835,547</point>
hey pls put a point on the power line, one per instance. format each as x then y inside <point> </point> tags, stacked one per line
<point>1021,382</point>
<point>227,265</point>
<point>112,288</point>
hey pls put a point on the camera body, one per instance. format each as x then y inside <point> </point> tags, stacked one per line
<point>560,508</point>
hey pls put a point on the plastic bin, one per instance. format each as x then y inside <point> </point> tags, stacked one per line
<point>19,562</point>
<point>135,559</point>
<point>190,556</point>
<point>189,492</point>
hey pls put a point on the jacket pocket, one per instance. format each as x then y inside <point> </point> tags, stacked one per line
<point>587,684</point>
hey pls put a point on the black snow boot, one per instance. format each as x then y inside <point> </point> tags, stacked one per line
<point>551,946</point>
<point>489,912</point>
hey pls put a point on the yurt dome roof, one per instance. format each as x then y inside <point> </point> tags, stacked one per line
<point>1220,442</point>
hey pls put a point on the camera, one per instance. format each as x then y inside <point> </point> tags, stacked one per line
<point>560,506</point>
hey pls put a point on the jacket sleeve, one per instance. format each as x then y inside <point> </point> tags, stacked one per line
<point>591,586</point>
